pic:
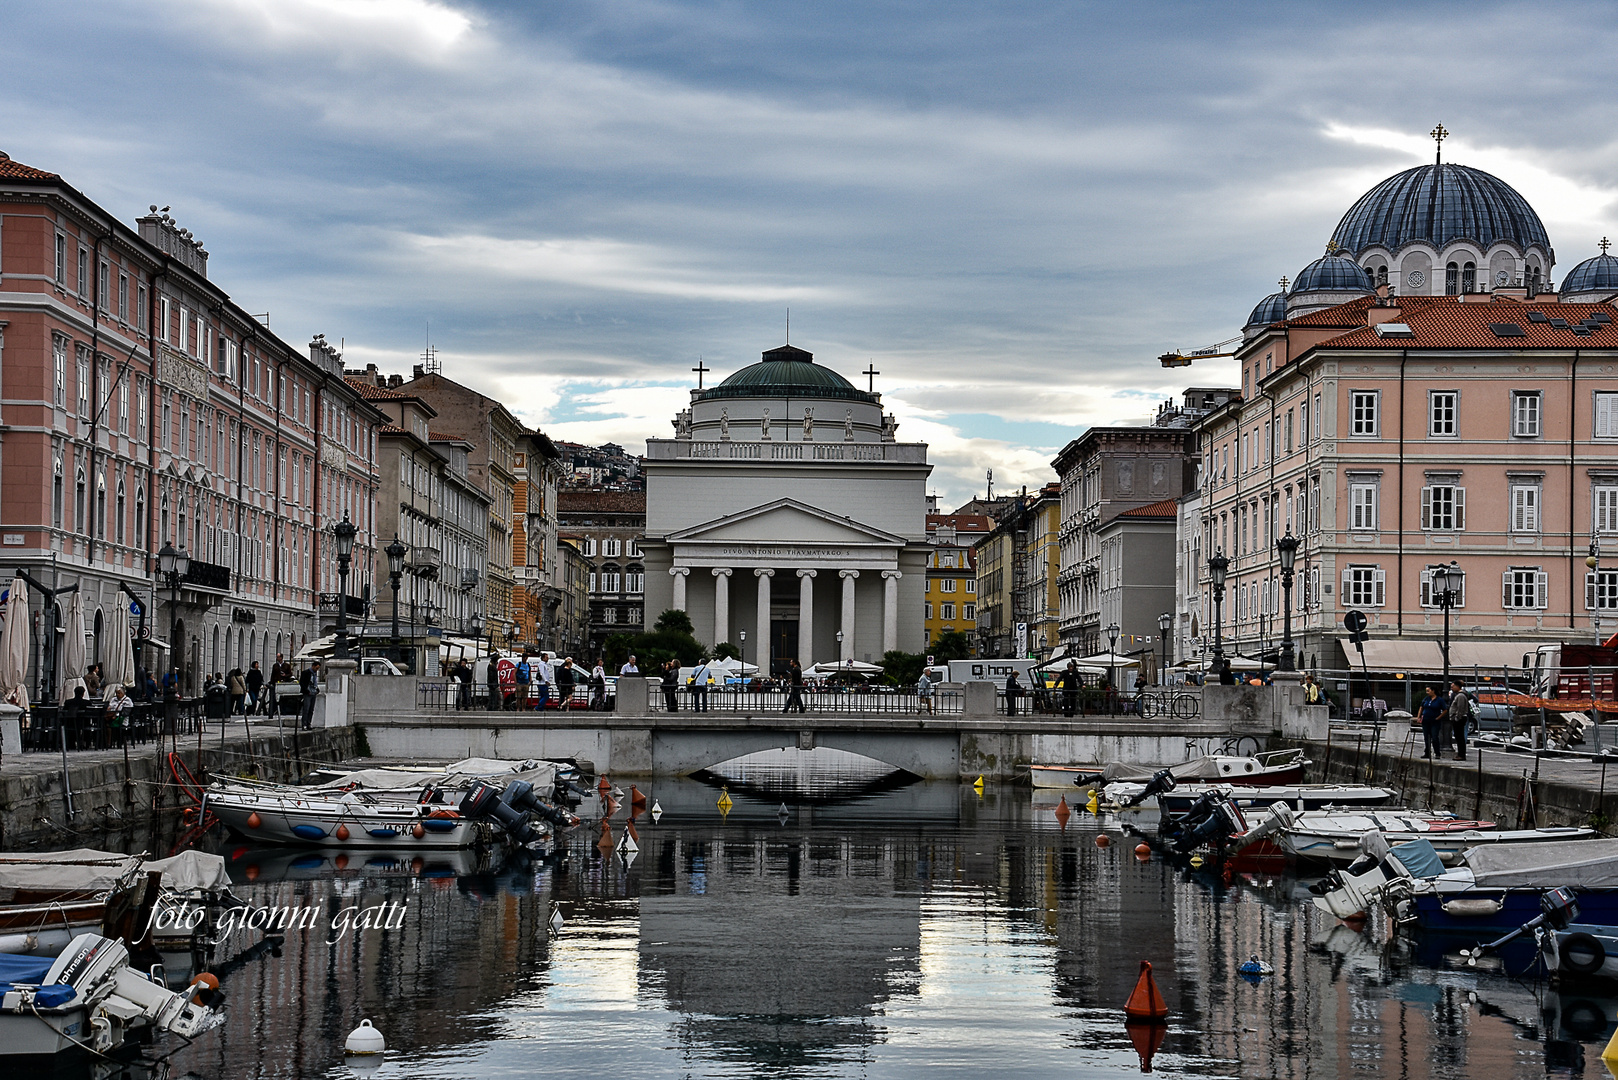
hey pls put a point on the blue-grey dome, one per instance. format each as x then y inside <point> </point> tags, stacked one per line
<point>1332,273</point>
<point>1438,204</point>
<point>1599,274</point>
<point>1271,309</point>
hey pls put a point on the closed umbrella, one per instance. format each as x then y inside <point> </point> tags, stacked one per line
<point>119,667</point>
<point>74,656</point>
<point>14,644</point>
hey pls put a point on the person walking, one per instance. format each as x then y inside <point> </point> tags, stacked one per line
<point>1311,690</point>
<point>598,687</point>
<point>463,684</point>
<point>698,684</point>
<point>1460,717</point>
<point>236,683</point>
<point>1013,692</point>
<point>309,683</point>
<point>794,688</point>
<point>1070,688</point>
<point>1227,677</point>
<point>254,681</point>
<point>280,673</point>
<point>119,710</point>
<point>566,676</point>
<point>671,686</point>
<point>544,679</point>
<point>629,667</point>
<point>1433,712</point>
<point>924,693</point>
<point>525,676</point>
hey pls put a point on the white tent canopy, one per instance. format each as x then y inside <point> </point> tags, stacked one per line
<point>1110,660</point>
<point>847,667</point>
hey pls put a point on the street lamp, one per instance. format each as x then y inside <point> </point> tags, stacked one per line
<point>1165,623</point>
<point>396,553</point>
<point>1217,567</point>
<point>1447,581</point>
<point>742,675</point>
<point>1288,547</point>
<point>1112,663</point>
<point>344,531</point>
<point>173,566</point>
<point>1593,561</point>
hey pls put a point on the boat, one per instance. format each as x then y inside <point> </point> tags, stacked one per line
<point>89,998</point>
<point>1337,835</point>
<point>1298,796</point>
<point>1261,769</point>
<point>1581,950</point>
<point>1064,776</point>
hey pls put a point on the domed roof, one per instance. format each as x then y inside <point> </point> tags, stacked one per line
<point>787,372</point>
<point>1271,309</point>
<point>1599,274</point>
<point>1440,203</point>
<point>1332,273</point>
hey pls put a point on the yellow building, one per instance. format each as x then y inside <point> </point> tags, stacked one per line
<point>951,595</point>
<point>1018,612</point>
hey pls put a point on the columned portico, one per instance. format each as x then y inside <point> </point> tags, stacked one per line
<point>762,618</point>
<point>846,653</point>
<point>679,573</point>
<point>890,609</point>
<point>721,604</point>
<point>806,618</point>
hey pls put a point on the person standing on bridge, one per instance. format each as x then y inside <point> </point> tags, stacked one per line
<point>795,693</point>
<point>1013,692</point>
<point>1434,709</point>
<point>671,685</point>
<point>1070,688</point>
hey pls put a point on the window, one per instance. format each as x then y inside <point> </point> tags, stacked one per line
<point>123,298</point>
<point>1605,503</point>
<point>1317,417</point>
<point>635,581</point>
<point>1469,277</point>
<point>140,306</point>
<point>83,388</point>
<point>140,516</point>
<point>592,581</point>
<point>970,612</point>
<point>1303,421</point>
<point>1443,508</point>
<point>1452,279</point>
<point>164,318</point>
<point>118,514</point>
<point>1289,432</point>
<point>631,549</point>
<point>84,272</point>
<point>1606,418</point>
<point>1525,508</point>
<point>949,612</point>
<point>1430,600</point>
<point>609,581</point>
<point>167,429</point>
<point>61,259</point>
<point>123,404</point>
<point>609,615</point>
<point>1441,413</point>
<point>1365,586</point>
<point>927,612</point>
<point>1364,413</point>
<point>946,585</point>
<point>971,587</point>
<point>56,491</point>
<point>103,288</point>
<point>1601,590</point>
<point>142,389</point>
<point>81,522</point>
<point>59,357</point>
<point>610,547</point>
<point>1525,587</point>
<point>589,547</point>
<point>1362,507</point>
<point>1525,414</point>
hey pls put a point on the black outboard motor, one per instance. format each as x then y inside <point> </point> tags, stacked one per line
<point>484,802</point>
<point>519,795</point>
<point>1161,781</point>
<point>1207,803</point>
<point>1557,908</point>
<point>1213,831</point>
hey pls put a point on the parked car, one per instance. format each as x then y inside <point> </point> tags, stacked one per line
<point>378,665</point>
<point>1489,715</point>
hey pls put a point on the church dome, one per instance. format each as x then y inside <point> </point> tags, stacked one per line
<point>786,372</point>
<point>1437,204</point>
<point>1271,309</point>
<point>1599,274</point>
<point>1331,273</point>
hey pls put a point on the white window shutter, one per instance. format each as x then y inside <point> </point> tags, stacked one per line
<point>1542,589</point>
<point>1379,588</point>
<point>1426,588</point>
<point>1426,507</point>
<point>1460,508</point>
<point>1505,589</point>
<point>1590,590</point>
<point>1604,424</point>
<point>1346,587</point>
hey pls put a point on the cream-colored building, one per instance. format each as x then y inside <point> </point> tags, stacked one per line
<point>786,507</point>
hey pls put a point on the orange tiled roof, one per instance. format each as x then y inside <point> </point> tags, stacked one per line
<point>372,392</point>
<point>444,436</point>
<point>962,522</point>
<point>1167,508</point>
<point>1351,313</point>
<point>16,170</point>
<point>391,429</point>
<point>576,501</point>
<point>1443,322</point>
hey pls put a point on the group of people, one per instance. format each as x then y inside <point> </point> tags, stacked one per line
<point>1444,720</point>
<point>533,676</point>
<point>246,693</point>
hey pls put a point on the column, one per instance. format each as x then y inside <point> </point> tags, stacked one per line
<point>761,649</point>
<point>806,617</point>
<point>849,577</point>
<point>890,609</point>
<point>721,604</point>
<point>679,574</point>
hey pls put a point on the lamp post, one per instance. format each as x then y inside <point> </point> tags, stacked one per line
<point>1165,623</point>
<point>1217,568</point>
<point>173,566</point>
<point>344,532</point>
<point>1593,561</point>
<point>1446,584</point>
<point>1112,663</point>
<point>742,675</point>
<point>1288,547</point>
<point>396,553</point>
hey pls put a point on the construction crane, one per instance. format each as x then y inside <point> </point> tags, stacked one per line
<point>1183,359</point>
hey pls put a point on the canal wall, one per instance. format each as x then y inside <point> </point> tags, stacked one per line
<point>107,794</point>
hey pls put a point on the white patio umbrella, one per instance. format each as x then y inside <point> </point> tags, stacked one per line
<point>844,667</point>
<point>1110,660</point>
<point>74,655</point>
<point>14,644</point>
<point>119,667</point>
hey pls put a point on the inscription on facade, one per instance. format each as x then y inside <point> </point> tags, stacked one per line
<point>783,552</point>
<point>181,372</point>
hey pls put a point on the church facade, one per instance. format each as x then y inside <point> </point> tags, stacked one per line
<point>786,509</point>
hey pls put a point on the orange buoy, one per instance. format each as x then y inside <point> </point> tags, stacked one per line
<point>342,832</point>
<point>418,831</point>
<point>1062,812</point>
<point>1103,840</point>
<point>251,872</point>
<point>636,799</point>
<point>605,843</point>
<point>1143,849</point>
<point>603,785</point>
<point>253,820</point>
<point>207,978</point>
<point>416,864</point>
<point>1147,1037</point>
<point>238,853</point>
<point>341,862</point>
<point>629,828</point>
<point>1146,1003</point>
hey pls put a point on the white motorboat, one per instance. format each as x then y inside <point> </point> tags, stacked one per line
<point>1298,796</point>
<point>88,998</point>
<point>1337,835</point>
<point>1064,776</point>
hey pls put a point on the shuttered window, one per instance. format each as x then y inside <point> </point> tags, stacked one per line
<point>1443,508</point>
<point>1525,588</point>
<point>1606,426</point>
<point>1606,509</point>
<point>1365,586</point>
<point>1525,508</point>
<point>1362,507</point>
<point>1601,590</point>
<point>1430,600</point>
<point>1441,407</point>
<point>1525,414</point>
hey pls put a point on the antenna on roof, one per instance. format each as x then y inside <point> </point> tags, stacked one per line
<point>429,355</point>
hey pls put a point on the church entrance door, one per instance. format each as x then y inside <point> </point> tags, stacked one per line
<point>783,645</point>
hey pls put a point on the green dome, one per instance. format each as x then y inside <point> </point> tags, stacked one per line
<point>787,372</point>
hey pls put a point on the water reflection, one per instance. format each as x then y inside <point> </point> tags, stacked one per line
<point>923,931</point>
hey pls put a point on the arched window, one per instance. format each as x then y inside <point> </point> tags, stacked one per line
<point>1382,274</point>
<point>118,514</point>
<point>1533,278</point>
<point>80,522</point>
<point>101,506</point>
<point>140,517</point>
<point>1469,278</point>
<point>1452,279</point>
<point>56,491</point>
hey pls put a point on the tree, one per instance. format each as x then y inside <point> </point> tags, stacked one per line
<point>726,651</point>
<point>671,639</point>
<point>902,668</point>
<point>676,620</point>
<point>951,645</point>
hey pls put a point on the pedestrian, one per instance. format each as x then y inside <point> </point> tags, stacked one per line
<point>462,674</point>
<point>698,684</point>
<point>236,683</point>
<point>794,688</point>
<point>1227,677</point>
<point>629,667</point>
<point>1433,712</point>
<point>566,677</point>
<point>309,684</point>
<point>280,675</point>
<point>215,698</point>
<point>1070,688</point>
<point>544,679</point>
<point>525,676</point>
<point>1460,717</point>
<point>1311,690</point>
<point>671,685</point>
<point>1013,692</point>
<point>92,681</point>
<point>598,687</point>
<point>924,693</point>
<point>119,711</point>
<point>254,681</point>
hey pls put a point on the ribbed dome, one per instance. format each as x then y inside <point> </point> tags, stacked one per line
<point>787,372</point>
<point>1271,309</point>
<point>1599,274</point>
<point>1438,204</point>
<point>1332,273</point>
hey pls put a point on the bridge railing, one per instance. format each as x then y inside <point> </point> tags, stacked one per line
<point>862,700</point>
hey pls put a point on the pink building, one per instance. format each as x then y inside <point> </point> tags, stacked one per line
<point>142,406</point>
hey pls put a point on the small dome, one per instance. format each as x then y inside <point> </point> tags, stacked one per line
<point>1332,273</point>
<point>787,372</point>
<point>1438,204</point>
<point>1271,309</point>
<point>1599,274</point>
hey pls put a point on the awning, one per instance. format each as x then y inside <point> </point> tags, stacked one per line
<point>1490,654</point>
<point>1397,654</point>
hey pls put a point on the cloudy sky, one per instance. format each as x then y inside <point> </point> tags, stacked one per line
<point>1010,209</point>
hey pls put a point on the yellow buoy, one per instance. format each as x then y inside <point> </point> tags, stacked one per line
<point>977,785</point>
<point>1094,804</point>
<point>725,802</point>
<point>1609,1056</point>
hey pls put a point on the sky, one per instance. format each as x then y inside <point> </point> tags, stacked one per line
<point>1010,210</point>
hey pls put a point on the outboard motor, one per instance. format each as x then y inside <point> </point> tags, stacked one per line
<point>1557,908</point>
<point>483,802</point>
<point>1161,781</point>
<point>1219,826</point>
<point>519,795</point>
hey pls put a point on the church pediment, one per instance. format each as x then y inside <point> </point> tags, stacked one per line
<point>786,521</point>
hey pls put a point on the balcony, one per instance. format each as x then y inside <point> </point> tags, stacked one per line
<point>425,562</point>
<point>207,577</point>
<point>329,600</point>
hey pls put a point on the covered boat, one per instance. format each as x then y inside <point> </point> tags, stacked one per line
<point>1261,769</point>
<point>1337,836</point>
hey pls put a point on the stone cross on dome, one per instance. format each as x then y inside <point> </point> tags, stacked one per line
<point>700,369</point>
<point>1283,283</point>
<point>870,374</point>
<point>1439,134</point>
<point>1604,245</point>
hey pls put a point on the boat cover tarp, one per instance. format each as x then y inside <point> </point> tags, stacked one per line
<point>381,779</point>
<point>1195,771</point>
<point>1581,864</point>
<point>79,870</point>
<point>192,870</point>
<point>30,970</point>
<point>1419,858</point>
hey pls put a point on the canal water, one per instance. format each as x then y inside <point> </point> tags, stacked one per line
<point>925,931</point>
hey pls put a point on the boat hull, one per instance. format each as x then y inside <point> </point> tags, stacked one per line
<point>1063,776</point>
<point>46,1034</point>
<point>1297,796</point>
<point>328,823</point>
<point>1437,913</point>
<point>1449,842</point>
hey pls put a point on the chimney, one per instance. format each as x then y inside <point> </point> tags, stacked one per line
<point>417,372</point>
<point>394,381</point>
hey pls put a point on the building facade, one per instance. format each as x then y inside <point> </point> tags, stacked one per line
<point>1017,566</point>
<point>608,527</point>
<point>786,507</point>
<point>539,467</point>
<point>144,407</point>
<point>1137,578</point>
<point>950,602</point>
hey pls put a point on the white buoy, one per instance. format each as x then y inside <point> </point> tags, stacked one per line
<point>556,921</point>
<point>365,1039</point>
<point>657,809</point>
